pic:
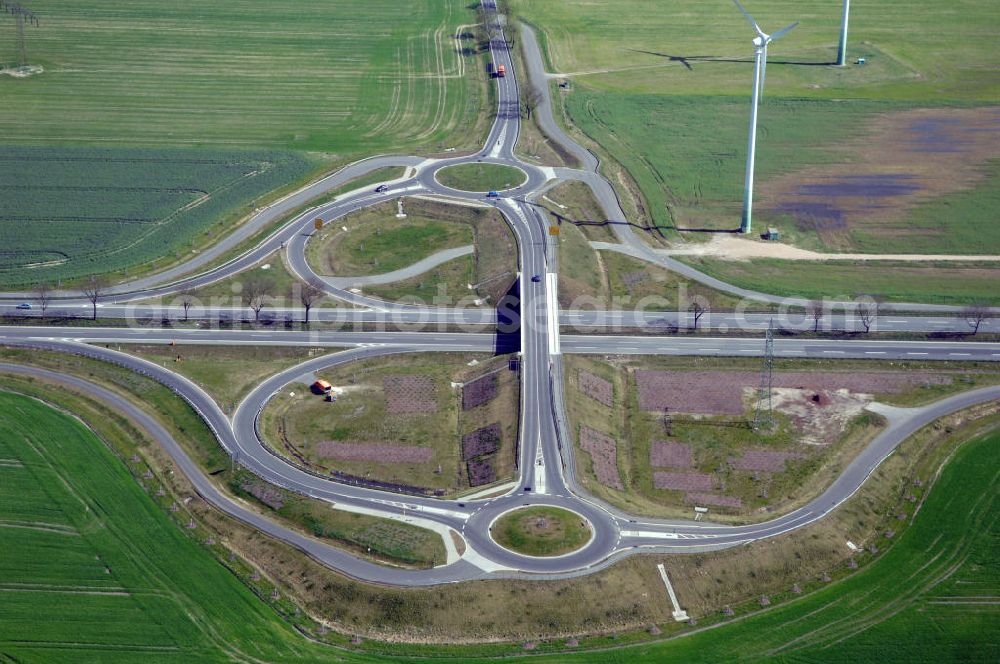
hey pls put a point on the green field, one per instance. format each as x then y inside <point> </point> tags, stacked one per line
<point>664,92</point>
<point>298,86</point>
<point>98,546</point>
<point>93,568</point>
<point>481,177</point>
<point>343,78</point>
<point>638,46</point>
<point>70,212</point>
<point>541,531</point>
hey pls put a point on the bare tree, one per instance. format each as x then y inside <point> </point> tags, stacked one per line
<point>94,290</point>
<point>868,309</point>
<point>532,98</point>
<point>255,291</point>
<point>974,315</point>
<point>310,294</point>
<point>815,311</point>
<point>698,310</point>
<point>187,299</point>
<point>43,293</point>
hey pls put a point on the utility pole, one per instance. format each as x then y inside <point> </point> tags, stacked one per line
<point>764,417</point>
<point>20,13</point>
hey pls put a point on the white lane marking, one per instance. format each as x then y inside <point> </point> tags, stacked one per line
<point>552,311</point>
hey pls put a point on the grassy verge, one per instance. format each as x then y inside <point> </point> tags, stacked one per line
<point>541,531</point>
<point>447,283</point>
<point>227,373</point>
<point>429,425</point>
<point>378,176</point>
<point>481,177</point>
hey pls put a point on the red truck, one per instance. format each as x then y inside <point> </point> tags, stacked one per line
<point>501,71</point>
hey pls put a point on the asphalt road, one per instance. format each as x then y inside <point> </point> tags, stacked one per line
<point>531,324</point>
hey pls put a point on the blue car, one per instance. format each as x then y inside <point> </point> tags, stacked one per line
<point>493,194</point>
<point>24,306</point>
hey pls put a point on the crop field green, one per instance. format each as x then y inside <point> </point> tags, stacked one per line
<point>347,77</point>
<point>71,212</point>
<point>91,567</point>
<point>192,84</point>
<point>675,47</point>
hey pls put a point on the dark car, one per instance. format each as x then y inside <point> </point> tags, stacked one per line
<point>536,278</point>
<point>381,189</point>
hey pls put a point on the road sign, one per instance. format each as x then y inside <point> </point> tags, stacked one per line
<point>553,230</point>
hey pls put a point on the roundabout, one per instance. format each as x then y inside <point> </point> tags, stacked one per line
<point>541,531</point>
<point>481,177</point>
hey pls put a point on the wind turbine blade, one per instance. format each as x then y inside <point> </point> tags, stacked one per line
<point>785,30</point>
<point>749,18</point>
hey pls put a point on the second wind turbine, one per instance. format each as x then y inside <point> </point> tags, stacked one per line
<point>760,43</point>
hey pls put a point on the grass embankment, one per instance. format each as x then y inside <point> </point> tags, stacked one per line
<point>541,531</point>
<point>429,424</point>
<point>819,449</point>
<point>377,242</point>
<point>227,373</point>
<point>481,177</point>
<point>200,444</point>
<point>919,599</point>
<point>376,177</point>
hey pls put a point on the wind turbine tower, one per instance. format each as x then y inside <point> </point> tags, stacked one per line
<point>760,43</point>
<point>842,51</point>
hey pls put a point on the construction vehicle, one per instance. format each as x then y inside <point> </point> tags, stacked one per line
<point>322,387</point>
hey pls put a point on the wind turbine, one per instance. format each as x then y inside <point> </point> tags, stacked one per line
<point>842,50</point>
<point>760,43</point>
